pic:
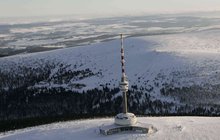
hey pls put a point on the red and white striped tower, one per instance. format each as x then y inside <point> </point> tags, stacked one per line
<point>124,82</point>
<point>125,121</point>
<point>124,118</point>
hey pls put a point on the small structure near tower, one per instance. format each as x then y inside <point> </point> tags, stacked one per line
<point>125,121</point>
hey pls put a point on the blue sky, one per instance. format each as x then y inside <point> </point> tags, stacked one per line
<point>17,8</point>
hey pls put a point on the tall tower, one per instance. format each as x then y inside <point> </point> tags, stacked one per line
<point>124,82</point>
<point>124,118</point>
<point>125,121</point>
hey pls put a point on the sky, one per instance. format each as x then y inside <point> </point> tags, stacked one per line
<point>94,8</point>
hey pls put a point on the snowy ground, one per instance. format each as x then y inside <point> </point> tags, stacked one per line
<point>168,128</point>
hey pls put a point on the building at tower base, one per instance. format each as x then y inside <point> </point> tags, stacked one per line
<point>139,128</point>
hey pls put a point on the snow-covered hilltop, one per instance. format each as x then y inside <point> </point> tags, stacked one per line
<point>178,128</point>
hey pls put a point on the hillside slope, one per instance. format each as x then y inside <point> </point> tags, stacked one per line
<point>167,74</point>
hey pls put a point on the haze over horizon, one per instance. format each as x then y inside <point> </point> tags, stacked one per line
<point>97,8</point>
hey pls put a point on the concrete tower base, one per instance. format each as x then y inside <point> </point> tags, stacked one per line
<point>125,119</point>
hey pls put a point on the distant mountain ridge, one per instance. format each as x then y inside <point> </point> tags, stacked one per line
<point>28,37</point>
